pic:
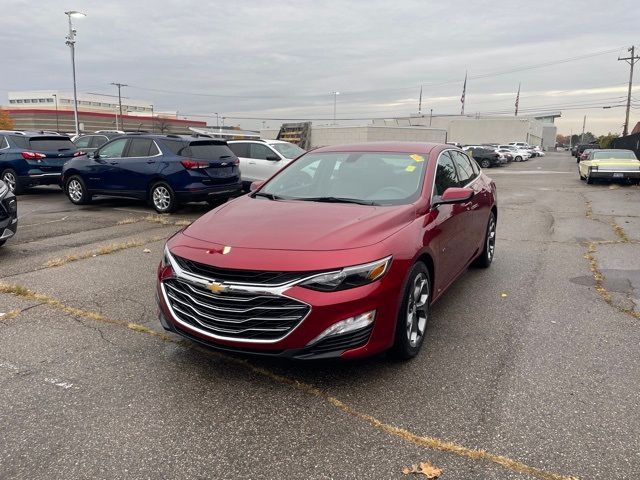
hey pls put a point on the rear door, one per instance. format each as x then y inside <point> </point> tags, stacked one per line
<point>137,166</point>
<point>57,151</point>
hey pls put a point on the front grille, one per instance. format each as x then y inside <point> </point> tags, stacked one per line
<point>234,315</point>
<point>340,343</point>
<point>254,277</point>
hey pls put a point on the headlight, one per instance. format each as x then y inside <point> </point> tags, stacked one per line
<point>166,258</point>
<point>349,277</point>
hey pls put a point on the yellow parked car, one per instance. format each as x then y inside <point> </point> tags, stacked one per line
<point>610,164</point>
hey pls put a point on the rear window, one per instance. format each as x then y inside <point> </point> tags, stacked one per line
<point>53,144</point>
<point>207,151</point>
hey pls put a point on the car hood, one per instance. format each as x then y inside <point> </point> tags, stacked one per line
<point>260,223</point>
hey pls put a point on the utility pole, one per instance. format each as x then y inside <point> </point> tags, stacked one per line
<point>631,60</point>
<point>584,122</point>
<point>120,85</point>
<point>430,116</point>
<point>71,43</point>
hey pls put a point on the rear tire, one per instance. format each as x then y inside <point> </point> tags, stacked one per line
<point>10,177</point>
<point>162,198</point>
<point>414,314</point>
<point>485,163</point>
<point>76,191</point>
<point>486,257</point>
<point>2,242</point>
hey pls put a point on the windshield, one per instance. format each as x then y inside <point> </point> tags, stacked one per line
<point>614,154</point>
<point>288,150</point>
<point>376,178</point>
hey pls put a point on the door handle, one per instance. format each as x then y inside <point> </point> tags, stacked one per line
<point>252,163</point>
<point>113,163</point>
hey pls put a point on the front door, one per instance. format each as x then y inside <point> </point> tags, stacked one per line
<point>266,162</point>
<point>137,166</point>
<point>104,171</point>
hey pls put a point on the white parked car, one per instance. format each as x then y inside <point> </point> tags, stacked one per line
<point>520,144</point>
<point>519,154</point>
<point>260,159</point>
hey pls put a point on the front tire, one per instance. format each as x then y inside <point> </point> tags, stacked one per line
<point>10,177</point>
<point>485,163</point>
<point>77,191</point>
<point>486,257</point>
<point>518,158</point>
<point>162,198</point>
<point>414,314</point>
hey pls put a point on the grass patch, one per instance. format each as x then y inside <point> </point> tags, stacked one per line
<point>128,221</point>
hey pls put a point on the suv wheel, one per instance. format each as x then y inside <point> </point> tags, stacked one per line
<point>162,198</point>
<point>414,314</point>
<point>77,191</point>
<point>10,177</point>
<point>485,163</point>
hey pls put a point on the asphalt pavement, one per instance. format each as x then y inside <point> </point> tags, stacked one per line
<point>530,368</point>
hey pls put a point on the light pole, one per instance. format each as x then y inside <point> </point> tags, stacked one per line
<point>430,116</point>
<point>335,99</point>
<point>71,42</point>
<point>217,120</point>
<point>55,97</point>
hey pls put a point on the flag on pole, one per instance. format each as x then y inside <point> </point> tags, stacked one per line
<point>464,93</point>
<point>517,99</point>
<point>420,102</point>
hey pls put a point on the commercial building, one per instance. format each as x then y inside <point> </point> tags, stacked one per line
<point>53,110</point>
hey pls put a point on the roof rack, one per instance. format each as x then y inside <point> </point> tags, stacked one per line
<point>173,135</point>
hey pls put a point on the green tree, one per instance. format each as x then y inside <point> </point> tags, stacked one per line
<point>606,141</point>
<point>6,123</point>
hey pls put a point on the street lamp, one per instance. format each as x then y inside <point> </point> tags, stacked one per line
<point>335,98</point>
<point>55,97</point>
<point>71,42</point>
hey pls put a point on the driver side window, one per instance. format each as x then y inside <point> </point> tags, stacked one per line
<point>113,149</point>
<point>445,174</point>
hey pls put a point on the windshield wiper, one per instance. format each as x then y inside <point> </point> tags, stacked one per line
<point>337,200</point>
<point>270,196</point>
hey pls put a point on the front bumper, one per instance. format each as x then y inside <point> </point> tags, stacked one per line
<point>326,309</point>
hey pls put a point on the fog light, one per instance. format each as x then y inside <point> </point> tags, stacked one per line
<point>347,325</point>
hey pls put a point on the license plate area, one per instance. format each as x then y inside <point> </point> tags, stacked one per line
<point>220,172</point>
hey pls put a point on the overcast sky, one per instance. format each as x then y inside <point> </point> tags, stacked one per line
<point>276,59</point>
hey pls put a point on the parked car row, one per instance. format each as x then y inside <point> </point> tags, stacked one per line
<point>165,170</point>
<point>494,155</point>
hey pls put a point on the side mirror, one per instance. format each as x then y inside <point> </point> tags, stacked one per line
<point>96,155</point>
<point>454,195</point>
<point>255,186</point>
<point>273,158</point>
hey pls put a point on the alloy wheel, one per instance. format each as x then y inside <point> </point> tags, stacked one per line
<point>491,238</point>
<point>161,197</point>
<point>74,190</point>
<point>10,179</point>
<point>417,309</point>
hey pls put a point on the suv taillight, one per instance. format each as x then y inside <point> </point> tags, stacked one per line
<point>190,164</point>
<point>32,155</point>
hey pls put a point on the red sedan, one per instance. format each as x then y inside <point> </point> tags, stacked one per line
<point>340,254</point>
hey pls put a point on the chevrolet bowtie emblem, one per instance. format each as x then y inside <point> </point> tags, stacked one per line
<point>216,287</point>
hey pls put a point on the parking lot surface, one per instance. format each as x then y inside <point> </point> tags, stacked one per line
<point>530,369</point>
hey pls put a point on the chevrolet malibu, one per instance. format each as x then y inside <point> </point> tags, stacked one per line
<point>340,254</point>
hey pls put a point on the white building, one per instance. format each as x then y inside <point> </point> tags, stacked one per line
<point>50,99</point>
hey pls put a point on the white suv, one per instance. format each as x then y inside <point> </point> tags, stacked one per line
<point>519,154</point>
<point>260,159</point>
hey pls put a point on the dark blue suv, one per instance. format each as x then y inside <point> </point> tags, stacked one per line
<point>31,158</point>
<point>166,170</point>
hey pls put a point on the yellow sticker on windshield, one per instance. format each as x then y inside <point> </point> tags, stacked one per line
<point>417,157</point>
<point>410,168</point>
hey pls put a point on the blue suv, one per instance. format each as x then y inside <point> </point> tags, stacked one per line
<point>31,158</point>
<point>166,170</point>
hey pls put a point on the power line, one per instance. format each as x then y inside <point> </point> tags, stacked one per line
<point>631,60</point>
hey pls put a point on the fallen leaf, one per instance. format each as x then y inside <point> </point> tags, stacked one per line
<point>427,469</point>
<point>503,295</point>
<point>146,250</point>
